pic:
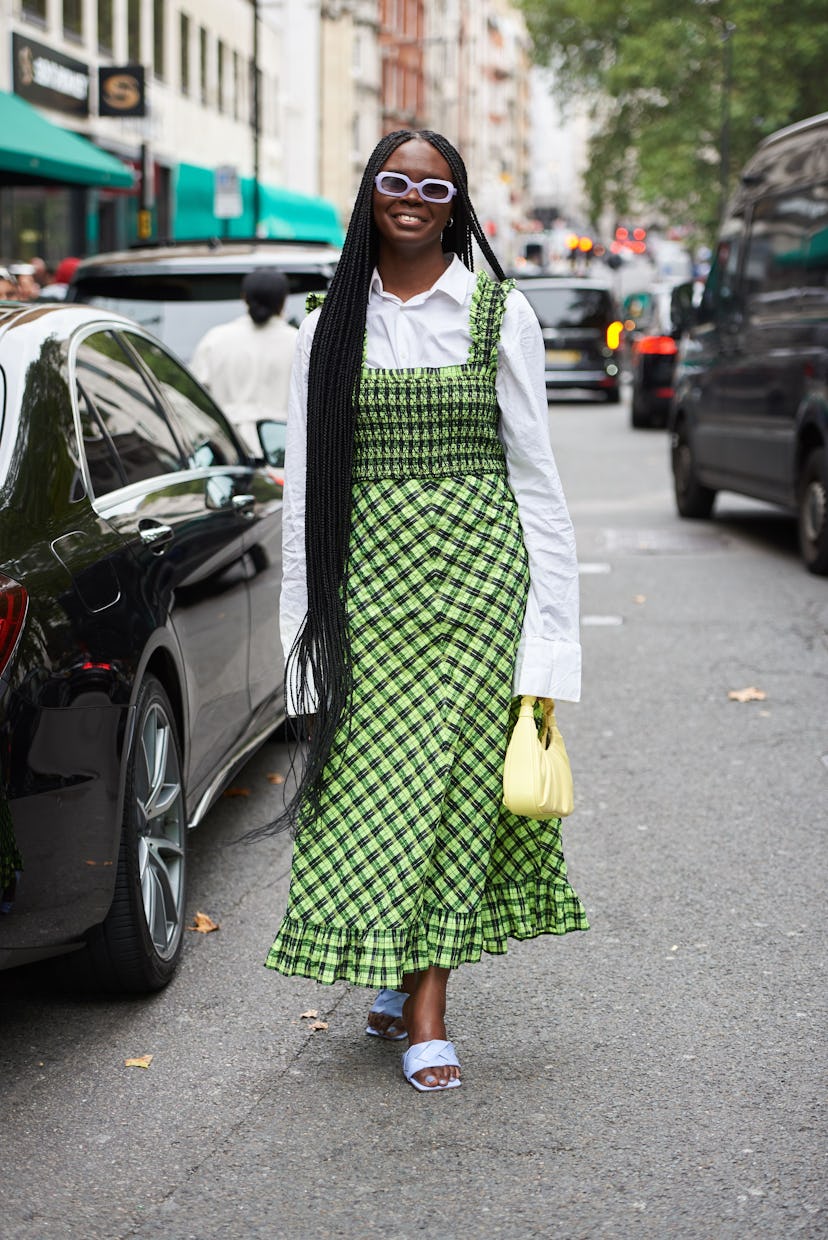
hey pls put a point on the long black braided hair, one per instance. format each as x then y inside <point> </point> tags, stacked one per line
<point>319,663</point>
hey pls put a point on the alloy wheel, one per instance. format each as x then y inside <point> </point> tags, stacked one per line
<point>161,829</point>
<point>814,511</point>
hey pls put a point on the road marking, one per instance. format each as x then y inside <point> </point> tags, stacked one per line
<point>602,621</point>
<point>587,567</point>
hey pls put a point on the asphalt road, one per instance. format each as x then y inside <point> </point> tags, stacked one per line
<point>661,1076</point>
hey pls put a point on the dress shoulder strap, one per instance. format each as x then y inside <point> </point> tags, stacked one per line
<point>485,317</point>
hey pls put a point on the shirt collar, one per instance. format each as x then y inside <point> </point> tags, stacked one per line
<point>454,283</point>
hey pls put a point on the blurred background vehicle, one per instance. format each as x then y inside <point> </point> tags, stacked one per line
<point>751,407</point>
<point>651,339</point>
<point>140,662</point>
<point>180,291</point>
<point>582,332</point>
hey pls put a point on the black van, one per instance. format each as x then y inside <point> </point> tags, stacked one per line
<point>750,412</point>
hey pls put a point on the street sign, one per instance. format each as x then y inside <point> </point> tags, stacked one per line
<point>227,200</point>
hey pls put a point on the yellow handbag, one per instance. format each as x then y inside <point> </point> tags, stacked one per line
<point>537,779</point>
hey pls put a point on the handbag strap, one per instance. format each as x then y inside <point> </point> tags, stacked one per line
<point>548,724</point>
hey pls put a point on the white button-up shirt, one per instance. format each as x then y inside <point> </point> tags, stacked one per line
<point>432,329</point>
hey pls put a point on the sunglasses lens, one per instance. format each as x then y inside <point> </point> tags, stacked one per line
<point>436,191</point>
<point>390,184</point>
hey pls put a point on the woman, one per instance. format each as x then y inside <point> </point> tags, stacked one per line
<point>429,575</point>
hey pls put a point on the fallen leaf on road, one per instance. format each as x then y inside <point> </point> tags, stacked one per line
<point>639,598</point>
<point>236,792</point>
<point>274,778</point>
<point>203,924</point>
<point>317,1025</point>
<point>142,1061</point>
<point>751,694</point>
<point>311,1014</point>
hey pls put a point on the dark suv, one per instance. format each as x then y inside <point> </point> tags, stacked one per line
<point>581,331</point>
<point>180,291</point>
<point>751,407</point>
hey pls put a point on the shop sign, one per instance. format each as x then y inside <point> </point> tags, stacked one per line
<point>122,90</point>
<point>49,78</point>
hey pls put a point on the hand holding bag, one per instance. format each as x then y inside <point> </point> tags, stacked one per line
<point>537,779</point>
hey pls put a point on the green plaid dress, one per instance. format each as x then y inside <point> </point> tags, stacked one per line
<point>414,860</point>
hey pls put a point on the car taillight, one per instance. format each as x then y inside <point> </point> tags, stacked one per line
<point>13,603</point>
<point>614,334</point>
<point>656,344</point>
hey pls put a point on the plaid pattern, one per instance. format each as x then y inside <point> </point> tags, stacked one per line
<point>414,860</point>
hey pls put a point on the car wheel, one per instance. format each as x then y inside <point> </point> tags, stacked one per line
<point>813,512</point>
<point>137,947</point>
<point>692,498</point>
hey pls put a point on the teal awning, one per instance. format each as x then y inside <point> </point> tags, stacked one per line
<point>283,213</point>
<point>32,146</point>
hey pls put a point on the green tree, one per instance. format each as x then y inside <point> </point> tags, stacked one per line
<point>672,80</point>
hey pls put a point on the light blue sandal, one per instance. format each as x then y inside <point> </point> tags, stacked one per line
<point>388,1003</point>
<point>433,1054</point>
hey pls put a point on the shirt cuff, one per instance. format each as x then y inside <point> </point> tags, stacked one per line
<point>548,667</point>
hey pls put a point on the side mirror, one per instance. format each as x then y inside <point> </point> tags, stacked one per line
<point>272,436</point>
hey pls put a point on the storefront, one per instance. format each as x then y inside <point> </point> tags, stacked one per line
<point>50,175</point>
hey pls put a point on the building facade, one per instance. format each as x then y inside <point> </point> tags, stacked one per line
<point>219,83</point>
<point>260,114</point>
<point>350,96</point>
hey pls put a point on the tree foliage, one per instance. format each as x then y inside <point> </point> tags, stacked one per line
<point>669,80</point>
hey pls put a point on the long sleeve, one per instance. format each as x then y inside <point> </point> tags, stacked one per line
<point>294,595</point>
<point>549,654</point>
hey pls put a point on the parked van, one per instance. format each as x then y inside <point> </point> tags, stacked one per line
<point>750,412</point>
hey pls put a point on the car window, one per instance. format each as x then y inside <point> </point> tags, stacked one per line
<point>119,406</point>
<point>202,426</point>
<point>180,309</point>
<point>105,472</point>
<point>787,250</point>
<point>570,307</point>
<point>719,295</point>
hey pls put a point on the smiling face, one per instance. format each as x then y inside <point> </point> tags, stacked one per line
<point>409,224</point>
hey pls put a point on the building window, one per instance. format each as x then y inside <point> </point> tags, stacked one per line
<point>184,39</point>
<point>73,20</point>
<point>134,31</point>
<point>202,52</point>
<point>105,38</point>
<point>255,79</point>
<point>159,38</point>
<point>35,10</point>
<point>221,55</point>
<point>237,86</point>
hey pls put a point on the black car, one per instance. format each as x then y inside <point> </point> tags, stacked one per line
<point>581,331</point>
<point>140,562</point>
<point>751,407</point>
<point>652,340</point>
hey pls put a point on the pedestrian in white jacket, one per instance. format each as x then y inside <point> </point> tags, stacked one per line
<point>246,363</point>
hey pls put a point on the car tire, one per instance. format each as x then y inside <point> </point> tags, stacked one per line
<point>693,500</point>
<point>813,512</point>
<point>638,418</point>
<point>136,948</point>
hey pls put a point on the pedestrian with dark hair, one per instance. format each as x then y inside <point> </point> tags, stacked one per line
<point>429,578</point>
<point>246,363</point>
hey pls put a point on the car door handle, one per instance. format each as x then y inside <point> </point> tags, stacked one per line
<point>244,505</point>
<point>155,535</point>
